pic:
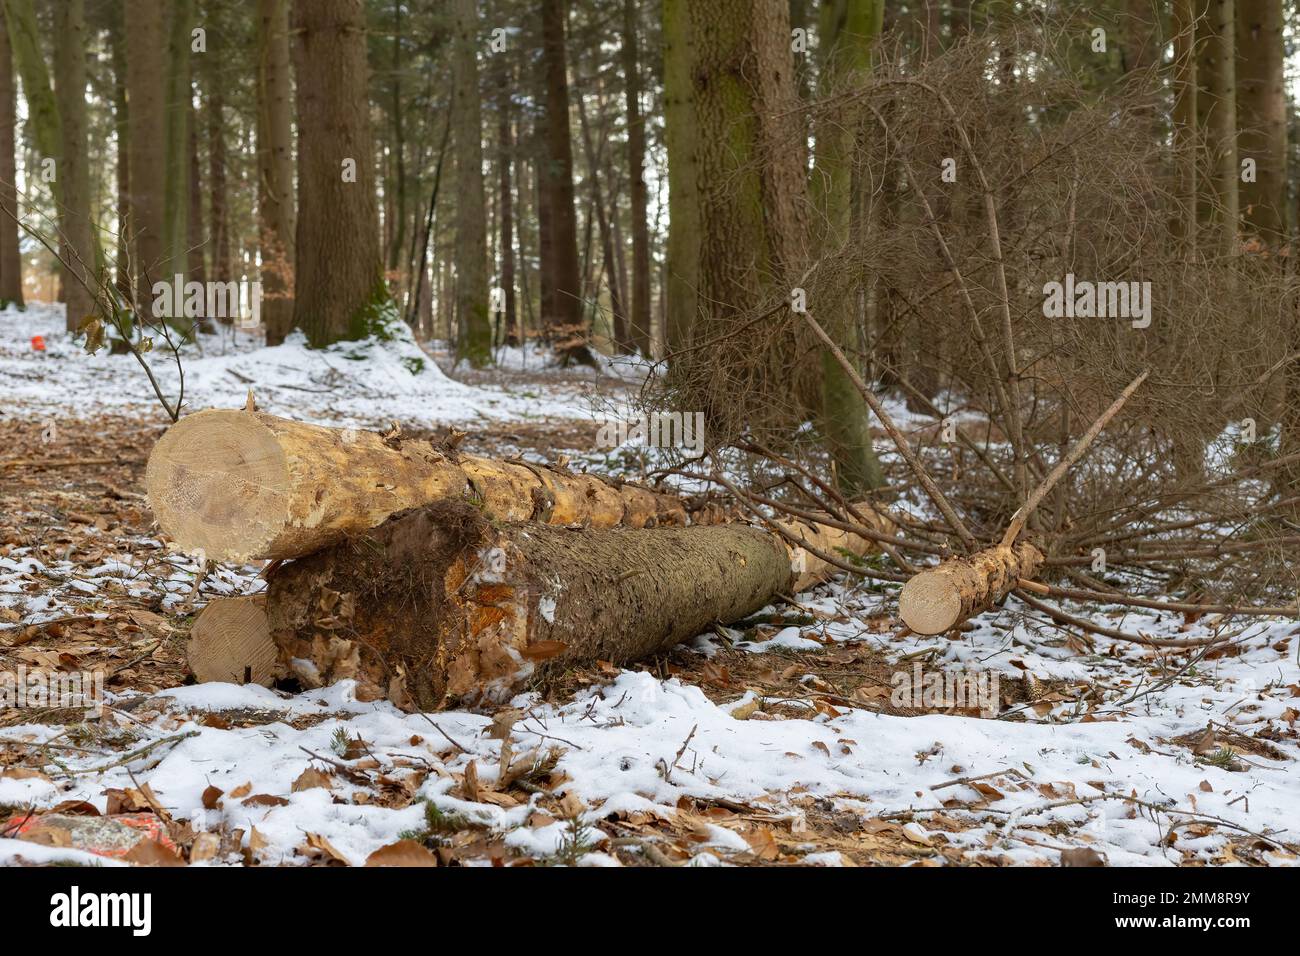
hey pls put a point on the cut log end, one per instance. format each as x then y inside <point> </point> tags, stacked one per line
<point>231,642</point>
<point>930,603</point>
<point>218,483</point>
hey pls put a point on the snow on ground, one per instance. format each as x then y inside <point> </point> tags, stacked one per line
<point>1146,757</point>
<point>361,383</point>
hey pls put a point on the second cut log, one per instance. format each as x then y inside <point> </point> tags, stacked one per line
<point>939,599</point>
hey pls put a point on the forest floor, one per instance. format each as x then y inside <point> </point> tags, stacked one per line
<point>776,741</point>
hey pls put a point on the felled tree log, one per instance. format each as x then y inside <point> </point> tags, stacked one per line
<point>440,605</point>
<point>230,642</point>
<point>940,598</point>
<point>245,485</point>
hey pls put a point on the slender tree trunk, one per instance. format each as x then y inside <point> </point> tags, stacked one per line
<point>117,53</point>
<point>609,263</point>
<point>73,167</point>
<point>505,158</point>
<point>196,241</point>
<point>474,336</point>
<point>1262,117</point>
<point>1216,112</point>
<point>176,172</point>
<point>845,420</point>
<point>399,144</point>
<point>275,168</point>
<point>42,106</point>
<point>218,199</point>
<point>145,84</point>
<point>1182,27</point>
<point>681,132</point>
<point>640,312</point>
<point>545,231</point>
<point>565,320</point>
<point>11,263</point>
<point>339,290</point>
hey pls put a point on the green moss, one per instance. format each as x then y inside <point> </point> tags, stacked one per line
<point>377,317</point>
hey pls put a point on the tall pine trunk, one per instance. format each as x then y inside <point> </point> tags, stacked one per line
<point>275,210</point>
<point>564,319</point>
<point>640,310</point>
<point>1182,20</point>
<point>117,55</point>
<point>73,168</point>
<point>11,263</point>
<point>474,328</point>
<point>681,132</point>
<point>339,291</point>
<point>145,84</point>
<point>844,421</point>
<point>176,171</point>
<point>1262,117</point>
<point>1216,113</point>
<point>505,159</point>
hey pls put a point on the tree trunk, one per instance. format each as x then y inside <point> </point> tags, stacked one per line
<point>176,170</point>
<point>117,54</point>
<point>505,159</point>
<point>42,107</point>
<point>11,263</point>
<point>196,241</point>
<point>1182,18</point>
<point>1262,117</point>
<point>753,193</point>
<point>564,322</point>
<point>245,485</point>
<point>939,599</point>
<point>609,262</point>
<point>680,134</point>
<point>845,421</point>
<point>145,84</point>
<point>474,335</point>
<point>1216,113</point>
<point>78,244</point>
<point>275,168</point>
<point>440,606</point>
<point>398,192</point>
<point>339,291</point>
<point>640,312</point>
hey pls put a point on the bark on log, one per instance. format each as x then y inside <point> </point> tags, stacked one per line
<point>230,642</point>
<point>937,600</point>
<point>442,606</point>
<point>245,485</point>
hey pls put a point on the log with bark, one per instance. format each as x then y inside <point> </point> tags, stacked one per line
<point>246,485</point>
<point>441,605</point>
<point>940,598</point>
